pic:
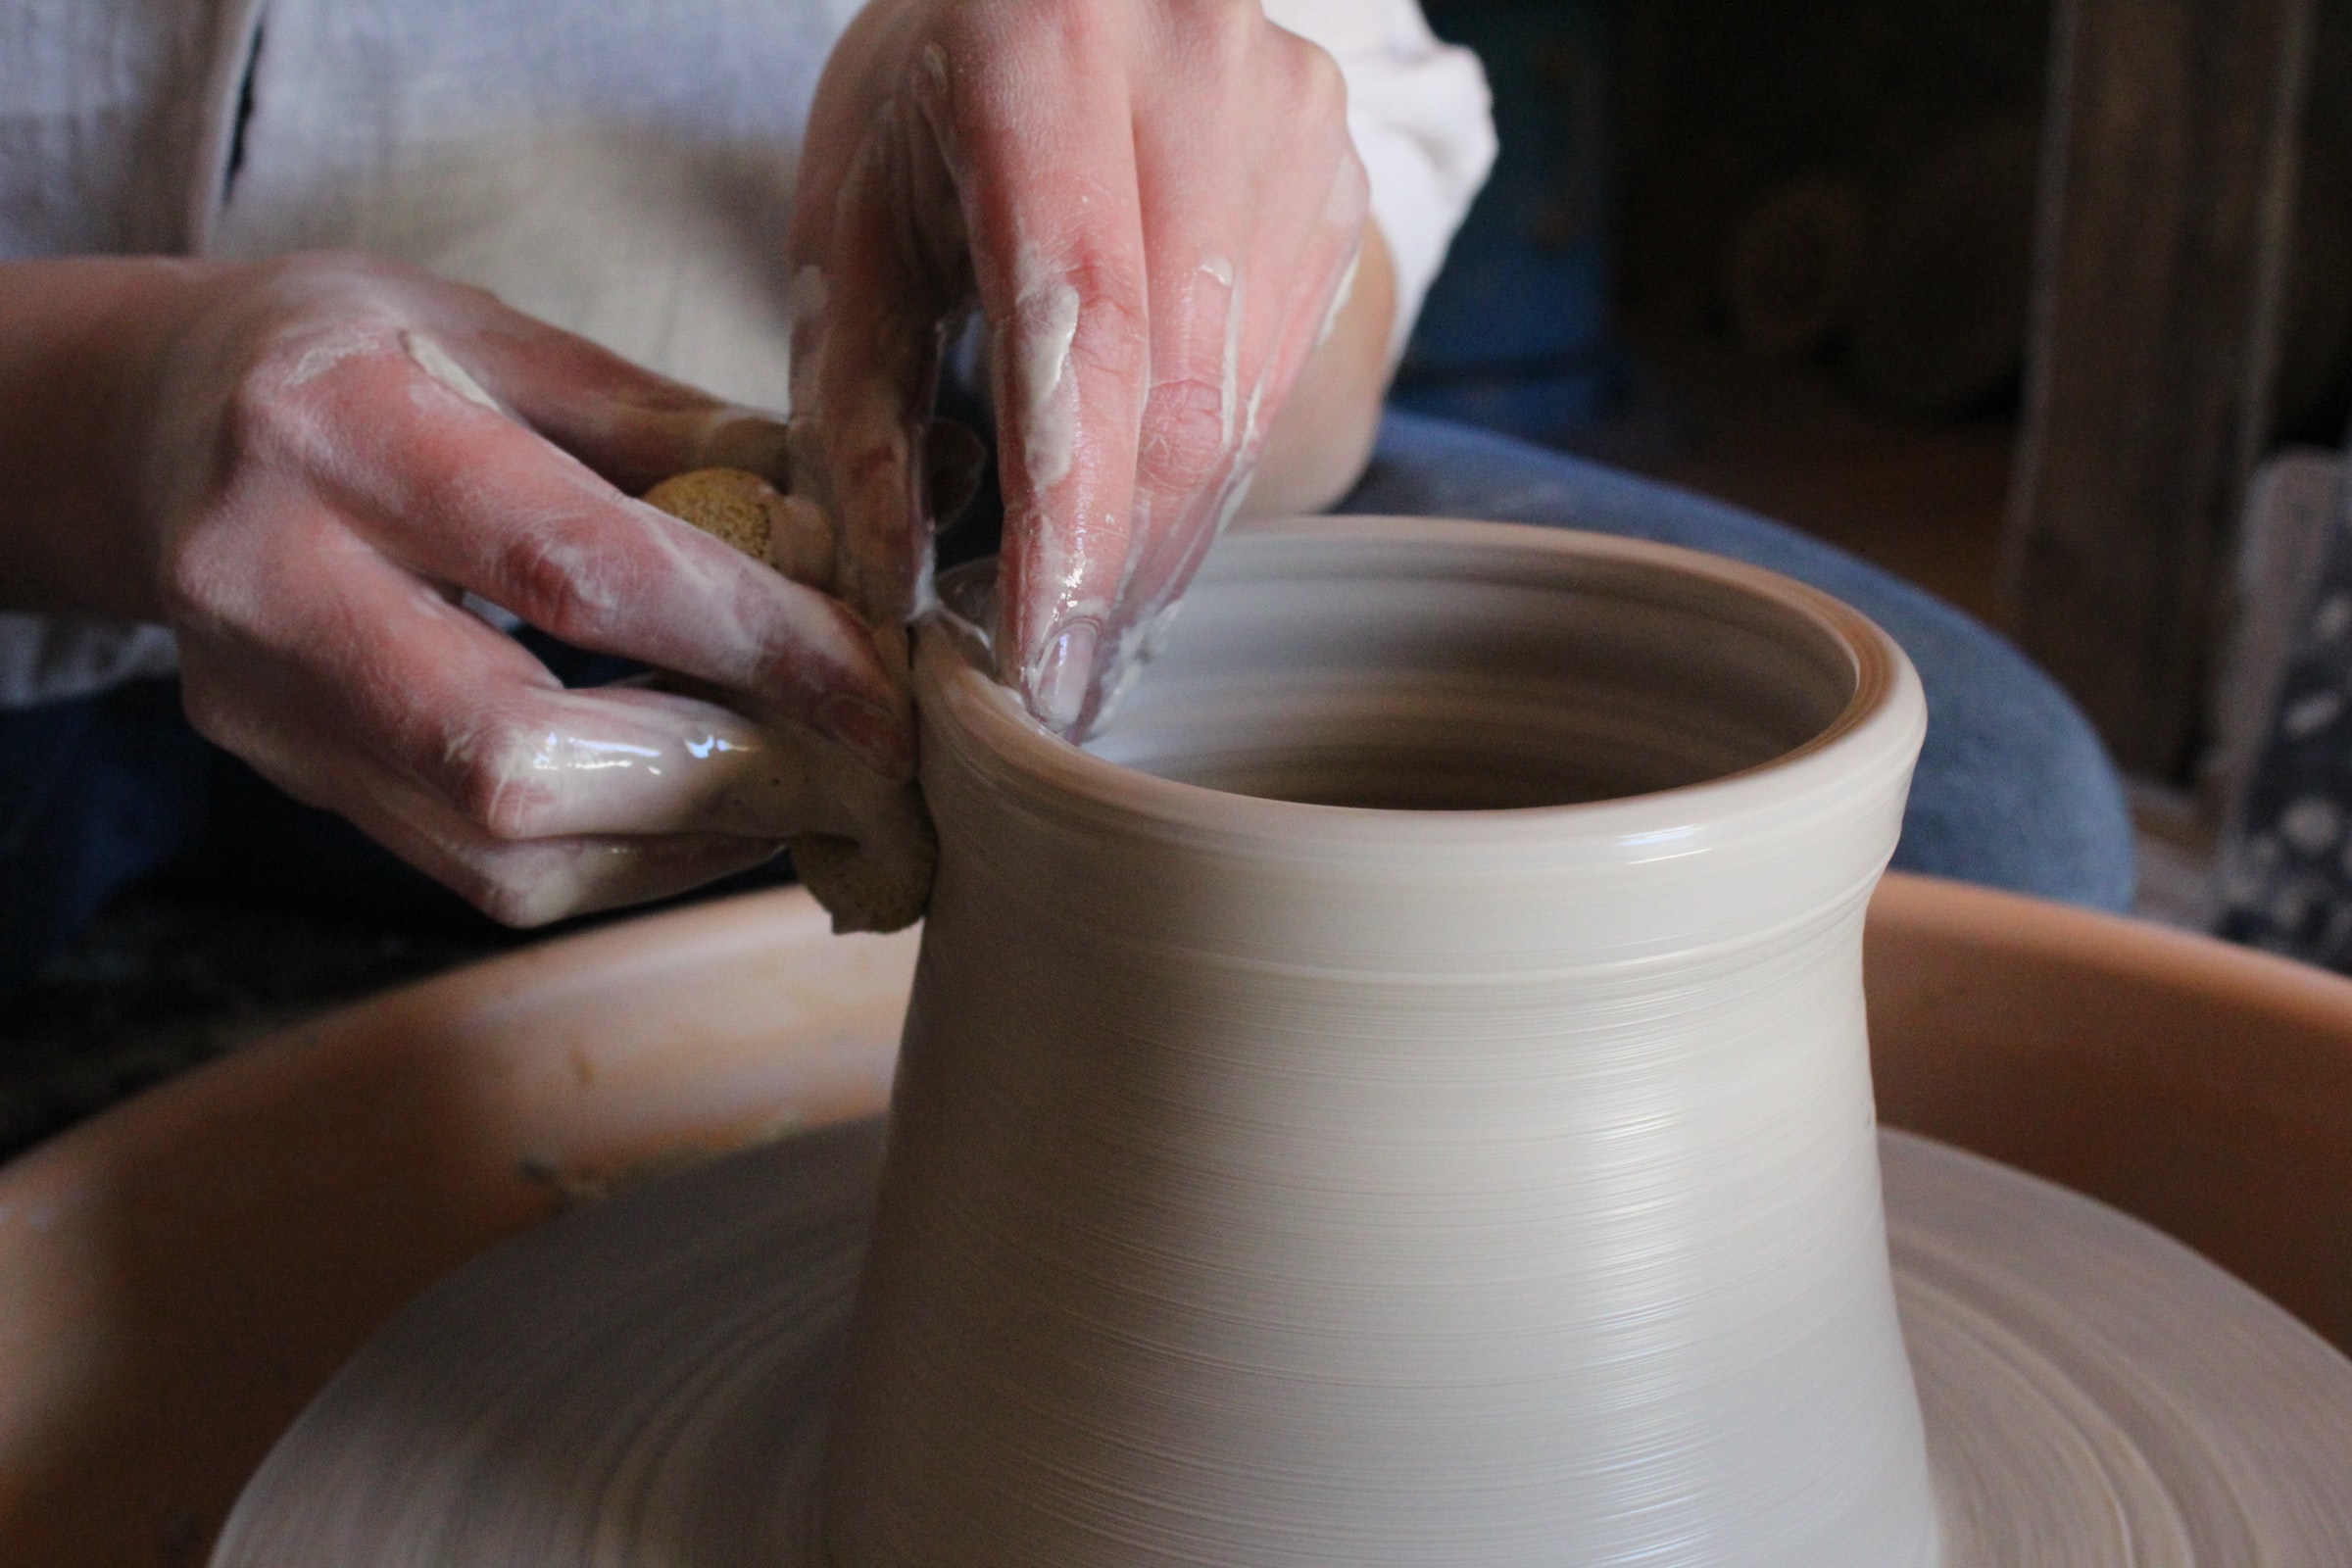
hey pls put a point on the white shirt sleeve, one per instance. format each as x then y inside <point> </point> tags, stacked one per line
<point>113,120</point>
<point>1423,125</point>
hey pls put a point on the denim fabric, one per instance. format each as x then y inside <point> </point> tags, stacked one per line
<point>94,794</point>
<point>107,791</point>
<point>2012,788</point>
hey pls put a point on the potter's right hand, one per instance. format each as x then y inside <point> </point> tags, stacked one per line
<point>1157,211</point>
<point>334,450</point>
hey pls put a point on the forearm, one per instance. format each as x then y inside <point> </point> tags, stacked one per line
<point>81,341</point>
<point>1323,437</point>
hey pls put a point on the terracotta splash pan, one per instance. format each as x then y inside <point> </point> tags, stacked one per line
<point>178,1277</point>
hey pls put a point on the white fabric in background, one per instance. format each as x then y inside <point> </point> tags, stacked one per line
<point>623,170</point>
<point>626,172</point>
<point>110,111</point>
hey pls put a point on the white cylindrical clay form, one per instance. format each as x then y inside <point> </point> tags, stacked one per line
<point>1401,1096</point>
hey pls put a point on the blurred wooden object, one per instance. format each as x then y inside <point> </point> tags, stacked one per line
<point>1790,260</point>
<point>2318,339</point>
<point>1940,313</point>
<point>2294,500</point>
<point>2168,171</point>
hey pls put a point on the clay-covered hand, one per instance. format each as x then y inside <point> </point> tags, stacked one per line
<point>1156,208</point>
<point>337,450</point>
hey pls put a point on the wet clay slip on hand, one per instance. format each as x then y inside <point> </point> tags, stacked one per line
<point>1401,1096</point>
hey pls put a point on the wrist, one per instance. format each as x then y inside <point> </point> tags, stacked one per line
<point>84,345</point>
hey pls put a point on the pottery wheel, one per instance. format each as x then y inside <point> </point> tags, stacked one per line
<point>644,1382</point>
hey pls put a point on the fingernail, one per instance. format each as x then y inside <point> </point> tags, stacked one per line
<point>874,732</point>
<point>1061,676</point>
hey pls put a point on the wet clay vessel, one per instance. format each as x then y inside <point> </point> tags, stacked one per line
<point>1402,1098</point>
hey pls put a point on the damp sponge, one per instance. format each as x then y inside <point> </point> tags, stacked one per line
<point>880,878</point>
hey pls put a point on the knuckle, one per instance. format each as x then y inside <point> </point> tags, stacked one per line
<point>492,778</point>
<point>223,711</point>
<point>1113,334</point>
<point>284,402</point>
<point>210,709</point>
<point>512,896</point>
<point>1317,85</point>
<point>564,580</point>
<point>1230,31</point>
<point>201,580</point>
<point>1186,435</point>
<point>186,583</point>
<point>265,411</point>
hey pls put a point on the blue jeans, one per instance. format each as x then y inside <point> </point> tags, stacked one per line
<point>2012,789</point>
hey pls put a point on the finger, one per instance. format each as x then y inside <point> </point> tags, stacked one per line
<point>275,728</point>
<point>470,718</point>
<point>461,496</point>
<point>525,885</point>
<point>866,363</point>
<point>1041,144</point>
<point>1192,476</point>
<point>1247,257</point>
<point>536,881</point>
<point>628,425</point>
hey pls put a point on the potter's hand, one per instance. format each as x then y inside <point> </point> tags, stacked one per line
<point>337,448</point>
<point>1155,205</point>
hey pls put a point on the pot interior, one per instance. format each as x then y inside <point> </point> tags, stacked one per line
<point>1434,677</point>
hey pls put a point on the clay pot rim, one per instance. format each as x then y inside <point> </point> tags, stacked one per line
<point>1874,734</point>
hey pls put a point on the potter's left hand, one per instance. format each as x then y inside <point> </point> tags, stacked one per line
<point>1155,205</point>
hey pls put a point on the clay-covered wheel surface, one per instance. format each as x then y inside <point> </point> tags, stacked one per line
<point>646,1380</point>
